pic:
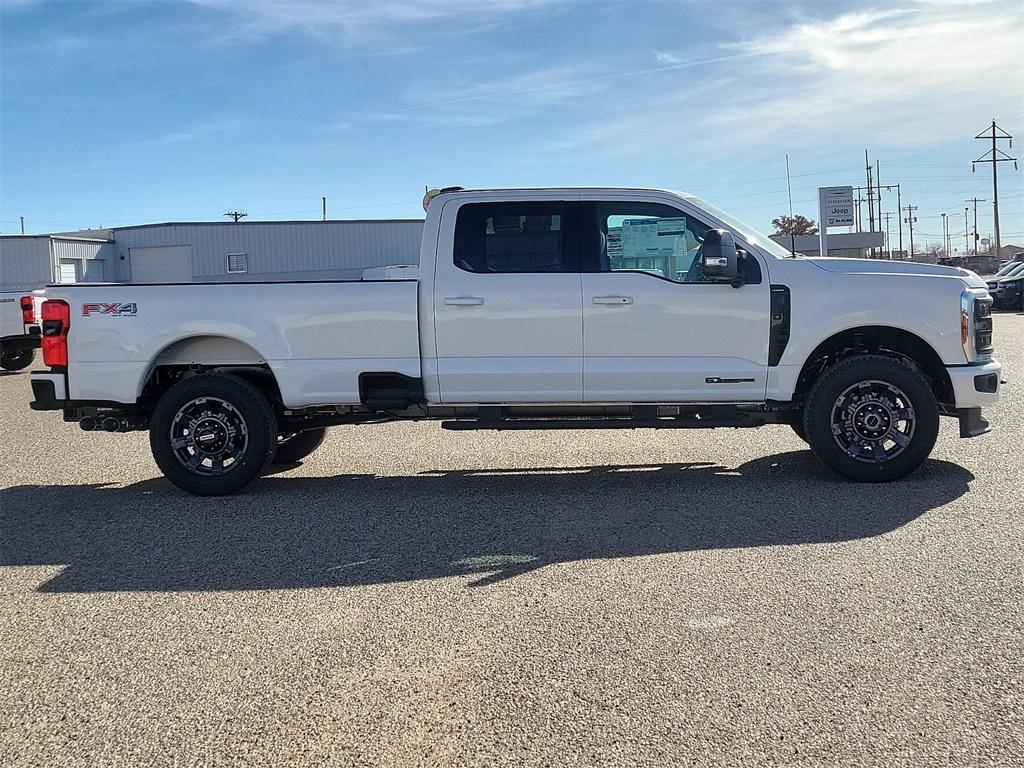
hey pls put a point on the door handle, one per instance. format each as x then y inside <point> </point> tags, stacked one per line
<point>616,300</point>
<point>463,301</point>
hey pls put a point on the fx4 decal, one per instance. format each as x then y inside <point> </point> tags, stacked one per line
<point>116,309</point>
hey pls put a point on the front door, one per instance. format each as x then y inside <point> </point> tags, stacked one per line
<point>507,305</point>
<point>657,330</point>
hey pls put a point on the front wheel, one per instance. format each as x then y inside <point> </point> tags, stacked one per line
<point>212,434</point>
<point>872,418</point>
<point>16,359</point>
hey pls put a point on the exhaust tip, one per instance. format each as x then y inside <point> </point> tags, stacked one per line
<point>110,424</point>
<point>87,423</point>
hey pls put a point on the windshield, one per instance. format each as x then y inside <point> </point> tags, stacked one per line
<point>1015,272</point>
<point>1008,268</point>
<point>748,233</point>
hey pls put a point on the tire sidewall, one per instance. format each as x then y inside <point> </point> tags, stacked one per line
<point>251,404</point>
<point>17,360</point>
<point>836,380</point>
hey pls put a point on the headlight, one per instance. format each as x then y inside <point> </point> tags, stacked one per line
<point>976,324</point>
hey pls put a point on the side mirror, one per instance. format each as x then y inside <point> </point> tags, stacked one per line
<point>719,255</point>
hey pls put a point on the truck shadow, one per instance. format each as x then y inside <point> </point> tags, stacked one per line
<point>493,524</point>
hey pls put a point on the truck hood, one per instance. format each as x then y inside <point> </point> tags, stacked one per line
<point>905,268</point>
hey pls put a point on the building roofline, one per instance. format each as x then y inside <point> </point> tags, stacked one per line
<point>70,238</point>
<point>252,223</point>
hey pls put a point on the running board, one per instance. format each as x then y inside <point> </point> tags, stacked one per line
<point>736,420</point>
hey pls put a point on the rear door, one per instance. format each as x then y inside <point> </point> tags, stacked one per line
<point>655,329</point>
<point>507,303</point>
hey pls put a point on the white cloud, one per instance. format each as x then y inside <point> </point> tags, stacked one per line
<point>356,21</point>
<point>919,70</point>
<point>662,57</point>
<point>195,130</point>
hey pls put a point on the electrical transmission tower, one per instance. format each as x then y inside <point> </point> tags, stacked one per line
<point>995,156</point>
<point>236,215</point>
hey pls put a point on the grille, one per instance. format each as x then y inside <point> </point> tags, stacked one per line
<point>983,326</point>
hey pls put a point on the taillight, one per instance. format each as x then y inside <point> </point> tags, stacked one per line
<point>56,322</point>
<point>28,310</point>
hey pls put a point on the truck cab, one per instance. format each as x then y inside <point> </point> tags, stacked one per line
<point>538,308</point>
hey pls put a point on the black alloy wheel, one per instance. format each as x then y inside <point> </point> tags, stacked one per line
<point>872,418</point>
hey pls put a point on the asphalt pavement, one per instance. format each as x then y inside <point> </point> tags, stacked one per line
<point>410,596</point>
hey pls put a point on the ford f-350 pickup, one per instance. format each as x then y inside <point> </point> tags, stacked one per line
<point>532,309</point>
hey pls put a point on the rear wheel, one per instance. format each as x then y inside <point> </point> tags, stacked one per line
<point>213,434</point>
<point>871,418</point>
<point>296,446</point>
<point>16,359</point>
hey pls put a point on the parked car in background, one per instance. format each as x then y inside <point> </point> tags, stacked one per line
<point>20,328</point>
<point>1011,290</point>
<point>1005,288</point>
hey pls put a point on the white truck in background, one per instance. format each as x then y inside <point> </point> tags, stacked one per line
<point>19,328</point>
<point>535,309</point>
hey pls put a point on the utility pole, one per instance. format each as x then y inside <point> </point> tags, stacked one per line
<point>899,205</point>
<point>878,190</point>
<point>945,234</point>
<point>23,225</point>
<point>236,215</point>
<point>323,201</point>
<point>887,243</point>
<point>911,218</point>
<point>967,248</point>
<point>899,202</point>
<point>789,189</point>
<point>871,193</point>
<point>995,156</point>
<point>975,200</point>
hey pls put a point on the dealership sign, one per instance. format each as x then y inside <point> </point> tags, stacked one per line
<point>835,209</point>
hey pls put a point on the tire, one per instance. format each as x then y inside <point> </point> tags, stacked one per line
<point>295,447</point>
<point>872,418</point>
<point>798,428</point>
<point>17,359</point>
<point>234,419</point>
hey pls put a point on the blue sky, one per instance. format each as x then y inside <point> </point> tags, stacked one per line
<point>132,111</point>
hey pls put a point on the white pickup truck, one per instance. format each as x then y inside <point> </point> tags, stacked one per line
<point>533,309</point>
<point>19,328</point>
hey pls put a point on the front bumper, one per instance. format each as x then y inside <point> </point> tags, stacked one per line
<point>976,385</point>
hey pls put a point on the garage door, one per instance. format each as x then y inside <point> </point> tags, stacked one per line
<point>161,264</point>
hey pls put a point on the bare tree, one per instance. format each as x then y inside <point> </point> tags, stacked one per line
<point>795,225</point>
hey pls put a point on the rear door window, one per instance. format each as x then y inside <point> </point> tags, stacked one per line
<point>517,237</point>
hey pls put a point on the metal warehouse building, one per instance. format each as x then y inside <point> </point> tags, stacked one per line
<point>31,261</point>
<point>210,251</point>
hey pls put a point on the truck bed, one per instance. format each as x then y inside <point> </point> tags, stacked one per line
<point>317,337</point>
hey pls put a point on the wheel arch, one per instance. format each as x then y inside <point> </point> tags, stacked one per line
<point>203,353</point>
<point>876,339</point>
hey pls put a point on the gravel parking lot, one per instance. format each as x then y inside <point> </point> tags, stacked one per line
<point>410,596</point>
